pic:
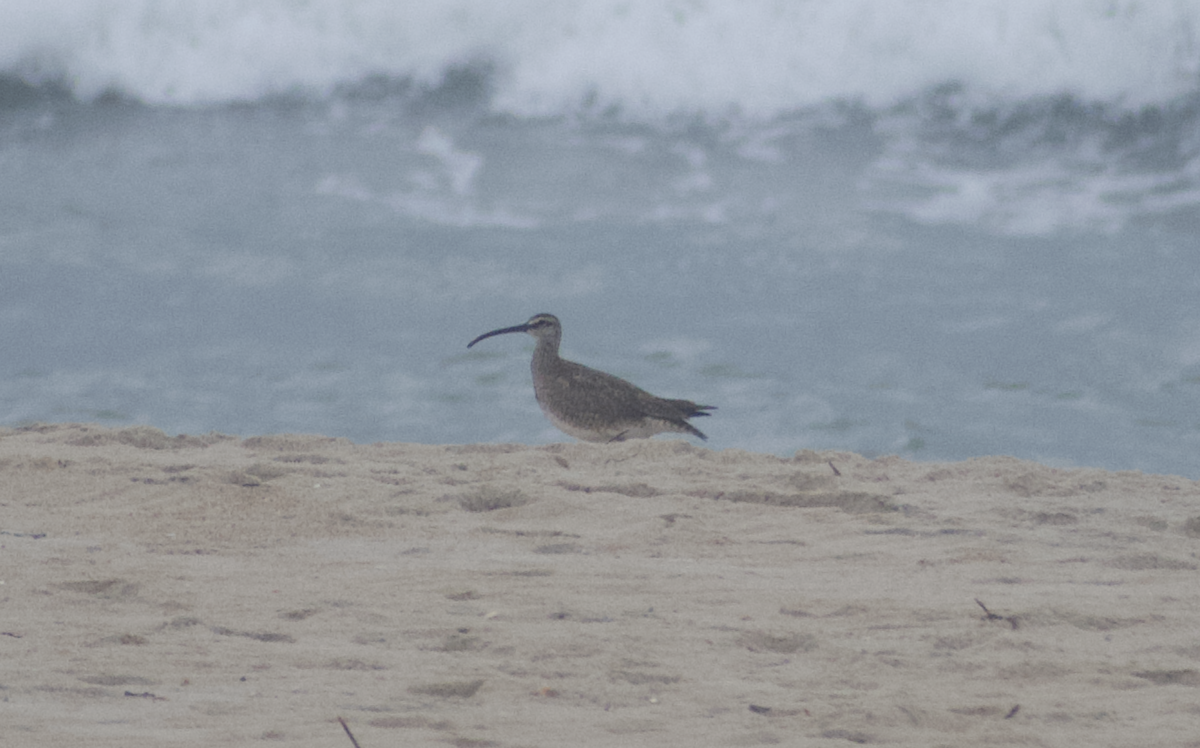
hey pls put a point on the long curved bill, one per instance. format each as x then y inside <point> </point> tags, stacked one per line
<point>501,331</point>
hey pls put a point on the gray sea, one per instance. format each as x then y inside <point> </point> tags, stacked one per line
<point>854,234</point>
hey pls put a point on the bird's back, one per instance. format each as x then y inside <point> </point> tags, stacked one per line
<point>597,406</point>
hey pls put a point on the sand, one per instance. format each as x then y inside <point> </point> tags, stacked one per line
<point>202,591</point>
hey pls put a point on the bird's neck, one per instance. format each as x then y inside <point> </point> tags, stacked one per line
<point>546,352</point>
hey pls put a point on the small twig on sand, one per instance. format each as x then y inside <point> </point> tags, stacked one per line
<point>834,469</point>
<point>990,616</point>
<point>349,734</point>
<point>1012,712</point>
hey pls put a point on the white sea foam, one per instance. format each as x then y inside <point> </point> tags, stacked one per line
<point>646,59</point>
<point>429,202</point>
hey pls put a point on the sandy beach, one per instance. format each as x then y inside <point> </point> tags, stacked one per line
<point>217,590</point>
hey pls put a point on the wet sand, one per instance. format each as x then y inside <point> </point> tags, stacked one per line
<point>201,591</point>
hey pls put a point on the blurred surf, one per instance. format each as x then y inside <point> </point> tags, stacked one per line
<point>943,230</point>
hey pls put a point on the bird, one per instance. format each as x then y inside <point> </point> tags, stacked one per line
<point>591,405</point>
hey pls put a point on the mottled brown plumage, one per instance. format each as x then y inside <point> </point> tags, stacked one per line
<point>591,405</point>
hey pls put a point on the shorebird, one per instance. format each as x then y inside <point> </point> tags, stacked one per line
<point>591,405</point>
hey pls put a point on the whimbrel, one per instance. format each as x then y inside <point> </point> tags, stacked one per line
<point>591,405</point>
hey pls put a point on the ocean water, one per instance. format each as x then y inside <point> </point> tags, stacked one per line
<point>933,229</point>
